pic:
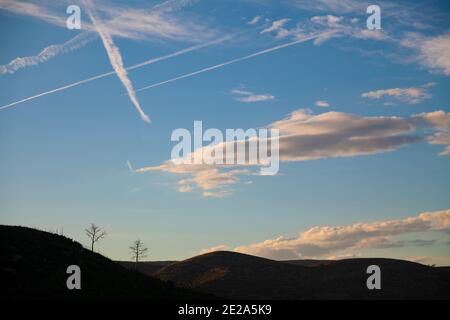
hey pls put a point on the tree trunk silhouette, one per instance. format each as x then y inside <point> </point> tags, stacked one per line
<point>138,250</point>
<point>95,233</point>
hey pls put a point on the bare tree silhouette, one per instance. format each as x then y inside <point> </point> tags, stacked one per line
<point>138,250</point>
<point>95,233</point>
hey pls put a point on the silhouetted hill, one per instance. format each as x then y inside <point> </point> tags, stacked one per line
<point>235,275</point>
<point>33,265</point>
<point>151,267</point>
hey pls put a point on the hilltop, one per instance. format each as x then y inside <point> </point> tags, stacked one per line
<point>236,275</point>
<point>33,265</point>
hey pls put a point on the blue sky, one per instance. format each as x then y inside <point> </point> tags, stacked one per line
<point>64,155</point>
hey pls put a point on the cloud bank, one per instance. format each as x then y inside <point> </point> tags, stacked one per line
<point>305,136</point>
<point>327,241</point>
<point>249,97</point>
<point>411,95</point>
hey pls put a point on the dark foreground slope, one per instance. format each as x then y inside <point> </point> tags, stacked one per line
<point>33,265</point>
<point>234,275</point>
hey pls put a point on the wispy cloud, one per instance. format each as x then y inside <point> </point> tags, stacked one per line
<point>217,194</point>
<point>33,10</point>
<point>326,241</point>
<point>130,167</point>
<point>439,120</point>
<point>431,52</point>
<point>411,95</point>
<point>120,23</point>
<point>336,6</point>
<point>277,28</point>
<point>255,20</point>
<point>123,21</point>
<point>322,103</point>
<point>327,20</point>
<point>249,97</point>
<point>48,53</point>
<point>116,59</point>
<point>441,138</point>
<point>340,25</point>
<point>209,179</point>
<point>107,74</point>
<point>305,137</point>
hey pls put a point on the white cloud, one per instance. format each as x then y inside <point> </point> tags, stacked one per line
<point>305,136</point>
<point>217,194</point>
<point>123,21</point>
<point>277,28</point>
<point>184,188</point>
<point>184,76</point>
<point>47,53</point>
<point>137,24</point>
<point>370,34</point>
<point>322,103</point>
<point>411,95</point>
<point>255,20</point>
<point>432,52</point>
<point>440,120</point>
<point>249,97</point>
<point>107,74</point>
<point>441,138</point>
<point>336,27</point>
<point>437,119</point>
<point>328,241</point>
<point>328,20</point>
<point>337,6</point>
<point>209,179</point>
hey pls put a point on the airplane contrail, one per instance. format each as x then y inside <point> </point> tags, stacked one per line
<point>223,64</point>
<point>103,75</point>
<point>75,43</point>
<point>115,58</point>
<point>48,53</point>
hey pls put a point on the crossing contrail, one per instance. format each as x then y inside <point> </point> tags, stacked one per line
<point>107,74</point>
<point>217,66</point>
<point>115,58</point>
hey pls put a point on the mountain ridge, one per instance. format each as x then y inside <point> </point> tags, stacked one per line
<point>235,275</point>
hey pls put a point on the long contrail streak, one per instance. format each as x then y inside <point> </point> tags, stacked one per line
<point>107,74</point>
<point>217,66</point>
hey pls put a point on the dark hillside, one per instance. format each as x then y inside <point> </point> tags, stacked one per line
<point>235,275</point>
<point>33,265</point>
